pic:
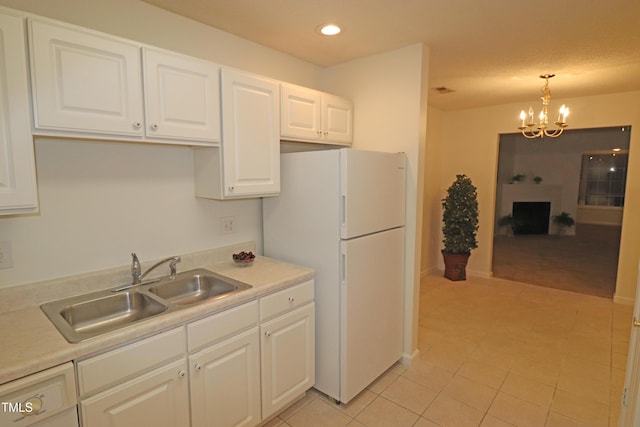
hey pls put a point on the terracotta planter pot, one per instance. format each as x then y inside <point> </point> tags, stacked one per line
<point>455,266</point>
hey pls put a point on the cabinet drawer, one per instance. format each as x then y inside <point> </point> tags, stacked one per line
<point>214,328</point>
<point>286,300</point>
<point>117,365</point>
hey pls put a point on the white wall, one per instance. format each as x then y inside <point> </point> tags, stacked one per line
<point>389,91</point>
<point>432,198</point>
<point>469,143</point>
<point>101,201</point>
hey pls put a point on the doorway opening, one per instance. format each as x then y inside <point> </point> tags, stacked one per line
<point>580,175</point>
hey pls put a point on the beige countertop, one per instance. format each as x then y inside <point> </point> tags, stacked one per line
<point>30,342</point>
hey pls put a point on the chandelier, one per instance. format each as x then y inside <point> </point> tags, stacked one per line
<point>530,129</point>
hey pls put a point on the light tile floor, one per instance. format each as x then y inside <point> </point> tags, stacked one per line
<point>494,353</point>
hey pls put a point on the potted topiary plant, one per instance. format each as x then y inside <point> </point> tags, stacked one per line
<point>564,221</point>
<point>459,226</point>
<point>517,178</point>
<point>509,223</point>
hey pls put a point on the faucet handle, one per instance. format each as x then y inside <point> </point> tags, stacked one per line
<point>172,266</point>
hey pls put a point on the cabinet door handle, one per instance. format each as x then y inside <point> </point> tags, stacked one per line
<point>197,367</point>
<point>154,126</point>
<point>137,125</point>
<point>267,334</point>
<point>292,300</point>
<point>635,322</point>
<point>181,373</point>
<point>231,188</point>
<point>326,133</point>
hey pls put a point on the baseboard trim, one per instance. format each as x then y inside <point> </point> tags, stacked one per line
<point>481,274</point>
<point>623,300</point>
<point>429,271</point>
<point>407,359</point>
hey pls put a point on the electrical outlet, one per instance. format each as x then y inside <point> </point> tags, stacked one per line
<point>6,257</point>
<point>227,224</point>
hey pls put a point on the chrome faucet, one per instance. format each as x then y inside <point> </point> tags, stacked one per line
<point>136,274</point>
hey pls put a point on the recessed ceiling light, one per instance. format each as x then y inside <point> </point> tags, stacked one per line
<point>329,29</point>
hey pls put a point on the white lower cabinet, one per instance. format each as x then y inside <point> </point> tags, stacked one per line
<point>235,368</point>
<point>225,369</point>
<point>159,398</point>
<point>141,383</point>
<point>287,346</point>
<point>225,383</point>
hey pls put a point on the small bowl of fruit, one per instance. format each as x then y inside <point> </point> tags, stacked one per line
<point>244,259</point>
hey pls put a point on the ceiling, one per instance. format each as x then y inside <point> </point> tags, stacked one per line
<point>488,52</point>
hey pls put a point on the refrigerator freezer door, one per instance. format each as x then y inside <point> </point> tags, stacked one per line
<point>373,191</point>
<point>371,308</point>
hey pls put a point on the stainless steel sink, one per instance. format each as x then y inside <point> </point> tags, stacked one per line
<point>86,316</point>
<point>194,286</point>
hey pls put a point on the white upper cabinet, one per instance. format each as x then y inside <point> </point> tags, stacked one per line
<point>182,97</point>
<point>312,116</point>
<point>337,119</point>
<point>93,84</point>
<point>251,143</point>
<point>85,81</point>
<point>248,162</point>
<point>301,113</point>
<point>18,193</point>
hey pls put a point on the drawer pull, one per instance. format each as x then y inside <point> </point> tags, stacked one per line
<point>267,334</point>
<point>292,300</point>
<point>198,368</point>
<point>181,373</point>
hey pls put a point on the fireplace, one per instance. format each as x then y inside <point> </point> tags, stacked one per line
<point>531,217</point>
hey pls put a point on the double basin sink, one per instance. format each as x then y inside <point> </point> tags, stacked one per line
<point>86,316</point>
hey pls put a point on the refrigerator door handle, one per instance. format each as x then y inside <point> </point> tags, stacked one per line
<point>343,214</point>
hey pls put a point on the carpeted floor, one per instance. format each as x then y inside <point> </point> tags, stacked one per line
<point>586,263</point>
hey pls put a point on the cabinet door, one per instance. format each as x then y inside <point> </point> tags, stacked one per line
<point>337,119</point>
<point>225,383</point>
<point>17,166</point>
<point>159,398</point>
<point>288,358</point>
<point>251,134</point>
<point>84,81</point>
<point>300,109</point>
<point>182,97</point>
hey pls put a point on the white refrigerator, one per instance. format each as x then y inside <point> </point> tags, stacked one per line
<point>342,212</point>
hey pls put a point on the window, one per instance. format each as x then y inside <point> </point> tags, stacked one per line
<point>603,179</point>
